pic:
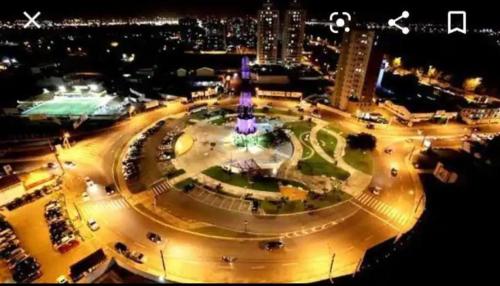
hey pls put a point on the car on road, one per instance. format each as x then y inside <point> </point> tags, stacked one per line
<point>69,164</point>
<point>89,182</point>
<point>92,224</point>
<point>274,245</point>
<point>110,189</point>
<point>62,280</point>
<point>137,257</point>
<point>228,259</point>
<point>85,196</point>
<point>121,247</point>
<point>394,172</point>
<point>376,190</point>
<point>51,165</point>
<point>154,237</point>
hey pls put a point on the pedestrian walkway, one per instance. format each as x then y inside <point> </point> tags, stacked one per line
<point>160,188</point>
<point>357,181</point>
<point>379,207</point>
<point>221,201</point>
<point>105,205</point>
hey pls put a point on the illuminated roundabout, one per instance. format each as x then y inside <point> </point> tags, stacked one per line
<point>312,200</point>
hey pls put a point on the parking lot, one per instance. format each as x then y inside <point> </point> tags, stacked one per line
<point>221,201</point>
<point>35,238</point>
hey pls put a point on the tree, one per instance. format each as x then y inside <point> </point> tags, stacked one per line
<point>363,141</point>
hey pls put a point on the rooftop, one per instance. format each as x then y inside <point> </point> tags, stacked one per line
<point>8,181</point>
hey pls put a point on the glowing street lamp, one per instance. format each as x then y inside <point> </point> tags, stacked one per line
<point>66,137</point>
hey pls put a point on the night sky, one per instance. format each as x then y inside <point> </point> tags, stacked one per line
<point>421,11</point>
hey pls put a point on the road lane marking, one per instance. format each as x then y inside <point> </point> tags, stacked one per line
<point>257,267</point>
<point>231,204</point>
<point>289,264</point>
<point>376,216</point>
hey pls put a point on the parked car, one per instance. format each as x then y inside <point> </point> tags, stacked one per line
<point>255,206</point>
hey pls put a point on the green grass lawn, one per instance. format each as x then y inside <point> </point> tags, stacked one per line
<point>334,127</point>
<point>273,111</point>
<point>358,160</point>
<point>327,142</point>
<point>328,199</point>
<point>66,107</point>
<point>298,128</point>
<point>267,184</point>
<point>199,115</point>
<point>219,121</point>
<point>276,208</point>
<point>306,147</point>
<point>262,184</point>
<point>317,166</point>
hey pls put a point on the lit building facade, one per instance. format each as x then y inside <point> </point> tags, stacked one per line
<point>352,67</point>
<point>293,34</point>
<point>267,34</point>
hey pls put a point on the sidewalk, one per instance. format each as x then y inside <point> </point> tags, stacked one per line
<point>357,181</point>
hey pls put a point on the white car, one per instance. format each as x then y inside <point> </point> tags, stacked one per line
<point>62,280</point>
<point>92,224</point>
<point>376,190</point>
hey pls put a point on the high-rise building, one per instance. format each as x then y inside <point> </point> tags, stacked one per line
<point>293,33</point>
<point>215,35</point>
<point>267,34</point>
<point>352,67</point>
<point>189,27</point>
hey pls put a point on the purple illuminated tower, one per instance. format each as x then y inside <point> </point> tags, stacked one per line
<point>245,123</point>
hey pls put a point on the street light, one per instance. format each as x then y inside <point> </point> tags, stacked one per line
<point>66,137</point>
<point>163,263</point>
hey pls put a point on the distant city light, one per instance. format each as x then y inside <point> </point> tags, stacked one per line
<point>114,44</point>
